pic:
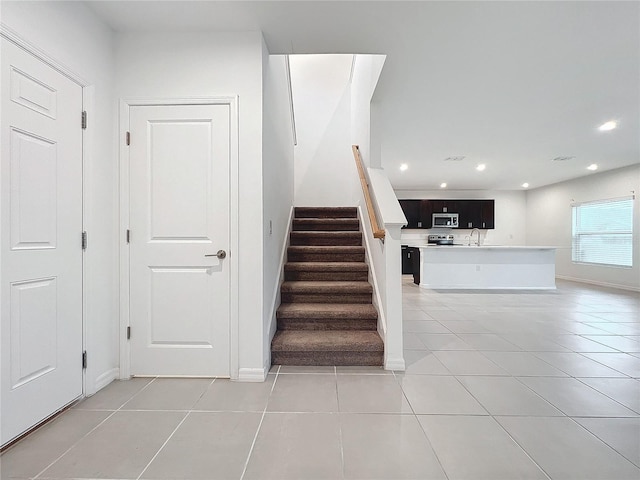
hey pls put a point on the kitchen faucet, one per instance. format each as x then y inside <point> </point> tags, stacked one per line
<point>471,236</point>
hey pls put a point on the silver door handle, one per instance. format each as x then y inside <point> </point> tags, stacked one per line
<point>220,254</point>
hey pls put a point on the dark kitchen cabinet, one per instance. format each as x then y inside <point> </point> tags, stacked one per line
<point>426,209</point>
<point>472,213</point>
<point>415,260</point>
<point>411,209</point>
<point>476,214</point>
<point>487,214</point>
<point>469,214</point>
<point>418,213</point>
<point>437,206</point>
<point>407,265</point>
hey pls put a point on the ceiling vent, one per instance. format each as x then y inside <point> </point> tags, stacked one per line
<point>563,159</point>
<point>454,159</point>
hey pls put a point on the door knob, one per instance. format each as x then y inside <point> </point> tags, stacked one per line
<point>220,254</point>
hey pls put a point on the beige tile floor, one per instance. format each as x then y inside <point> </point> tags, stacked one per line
<point>498,385</point>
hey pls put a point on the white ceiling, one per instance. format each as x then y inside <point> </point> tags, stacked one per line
<point>509,84</point>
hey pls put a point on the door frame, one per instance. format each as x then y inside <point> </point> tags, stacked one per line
<point>124,248</point>
<point>88,105</point>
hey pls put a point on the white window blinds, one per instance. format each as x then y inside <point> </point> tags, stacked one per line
<point>603,232</point>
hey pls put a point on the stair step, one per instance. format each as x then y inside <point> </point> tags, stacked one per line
<point>326,253</point>
<point>326,224</point>
<point>326,271</point>
<point>327,316</point>
<point>326,238</point>
<point>326,212</point>
<point>326,292</point>
<point>334,347</point>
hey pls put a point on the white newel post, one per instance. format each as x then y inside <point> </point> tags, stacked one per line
<point>394,357</point>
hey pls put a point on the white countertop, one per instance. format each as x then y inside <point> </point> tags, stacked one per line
<point>482,247</point>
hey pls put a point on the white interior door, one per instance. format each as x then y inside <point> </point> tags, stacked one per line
<point>41,253</point>
<point>179,218</point>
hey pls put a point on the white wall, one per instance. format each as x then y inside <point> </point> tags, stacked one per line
<point>214,64</point>
<point>72,35</point>
<point>510,214</point>
<point>277,179</point>
<point>365,75</point>
<point>549,223</point>
<point>325,173</point>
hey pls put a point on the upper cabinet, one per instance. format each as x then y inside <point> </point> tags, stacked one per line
<point>472,213</point>
<point>469,214</point>
<point>487,214</point>
<point>411,209</point>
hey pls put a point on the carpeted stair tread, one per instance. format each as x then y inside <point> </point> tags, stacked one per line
<point>326,271</point>
<point>322,238</point>
<point>327,311</point>
<point>326,212</point>
<point>327,266</point>
<point>327,341</point>
<point>325,249</point>
<point>313,254</point>
<point>326,315</point>
<point>338,288</point>
<point>326,224</point>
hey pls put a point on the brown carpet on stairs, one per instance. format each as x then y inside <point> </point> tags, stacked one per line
<point>326,316</point>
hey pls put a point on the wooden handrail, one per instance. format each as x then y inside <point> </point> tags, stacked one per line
<point>377,231</point>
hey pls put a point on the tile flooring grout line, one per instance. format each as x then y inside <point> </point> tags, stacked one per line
<point>604,364</point>
<point>113,412</point>
<point>188,412</point>
<point>522,448</point>
<point>163,445</point>
<point>74,444</point>
<point>603,440</point>
<point>255,437</point>
<point>137,393</point>
<point>524,385</point>
<point>415,416</point>
<point>580,379</point>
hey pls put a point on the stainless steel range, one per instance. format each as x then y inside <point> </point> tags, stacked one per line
<point>440,239</point>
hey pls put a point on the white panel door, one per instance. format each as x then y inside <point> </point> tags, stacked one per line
<point>179,218</point>
<point>41,254</point>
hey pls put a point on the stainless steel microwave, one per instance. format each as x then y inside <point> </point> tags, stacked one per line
<point>445,220</point>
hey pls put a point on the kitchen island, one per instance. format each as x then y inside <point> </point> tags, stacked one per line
<point>487,267</point>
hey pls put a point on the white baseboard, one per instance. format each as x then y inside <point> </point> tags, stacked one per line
<point>599,284</point>
<point>275,299</point>
<point>106,378</point>
<point>252,374</point>
<point>396,364</point>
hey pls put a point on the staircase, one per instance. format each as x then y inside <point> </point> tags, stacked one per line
<point>326,316</point>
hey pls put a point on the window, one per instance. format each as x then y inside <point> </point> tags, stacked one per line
<point>603,232</point>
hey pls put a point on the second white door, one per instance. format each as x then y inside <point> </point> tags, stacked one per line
<point>179,218</point>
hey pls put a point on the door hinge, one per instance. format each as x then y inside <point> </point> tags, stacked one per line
<point>128,236</point>
<point>128,333</point>
<point>128,138</point>
<point>84,360</point>
<point>84,120</point>
<point>84,240</point>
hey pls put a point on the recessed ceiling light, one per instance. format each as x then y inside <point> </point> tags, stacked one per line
<point>610,125</point>
<point>481,167</point>
<point>593,166</point>
<point>525,185</point>
<point>403,167</point>
<point>443,185</point>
